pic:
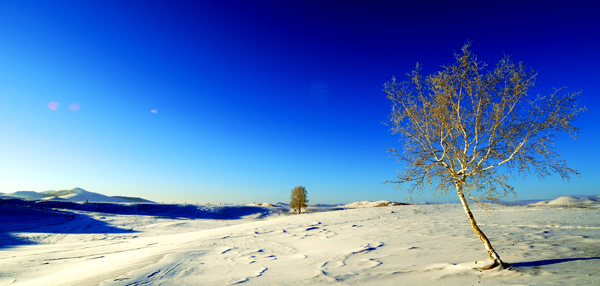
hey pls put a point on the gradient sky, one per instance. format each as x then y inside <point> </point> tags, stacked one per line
<point>240,101</point>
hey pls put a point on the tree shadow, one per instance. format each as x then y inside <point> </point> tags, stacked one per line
<point>549,261</point>
<point>25,219</point>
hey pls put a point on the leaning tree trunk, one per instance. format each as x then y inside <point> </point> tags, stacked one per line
<point>488,245</point>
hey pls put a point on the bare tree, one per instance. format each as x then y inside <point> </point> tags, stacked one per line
<point>298,199</point>
<point>469,129</point>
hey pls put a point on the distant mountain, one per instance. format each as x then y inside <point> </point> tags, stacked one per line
<point>54,199</point>
<point>75,194</point>
<point>79,194</point>
<point>61,192</point>
<point>133,199</point>
<point>570,201</point>
<point>25,195</point>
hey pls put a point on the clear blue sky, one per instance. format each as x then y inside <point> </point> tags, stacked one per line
<point>240,101</point>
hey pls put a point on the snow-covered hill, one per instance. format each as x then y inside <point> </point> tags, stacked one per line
<point>370,204</point>
<point>75,194</point>
<point>133,199</point>
<point>25,195</point>
<point>78,194</point>
<point>569,201</point>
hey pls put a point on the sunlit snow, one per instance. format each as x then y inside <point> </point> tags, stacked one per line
<point>63,243</point>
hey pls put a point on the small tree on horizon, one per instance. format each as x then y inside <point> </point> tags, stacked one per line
<point>298,199</point>
<point>469,129</point>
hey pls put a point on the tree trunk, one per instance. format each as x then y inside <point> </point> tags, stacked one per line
<point>488,245</point>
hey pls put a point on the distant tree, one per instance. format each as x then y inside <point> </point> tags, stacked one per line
<point>298,199</point>
<point>469,129</point>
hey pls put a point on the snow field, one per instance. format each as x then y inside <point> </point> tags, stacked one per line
<point>401,245</point>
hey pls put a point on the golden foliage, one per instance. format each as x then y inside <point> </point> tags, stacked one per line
<point>464,124</point>
<point>298,199</point>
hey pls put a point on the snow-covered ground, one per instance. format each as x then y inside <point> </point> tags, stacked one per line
<point>556,243</point>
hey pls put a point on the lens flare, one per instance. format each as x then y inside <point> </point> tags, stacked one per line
<point>53,105</point>
<point>74,106</point>
<point>154,111</point>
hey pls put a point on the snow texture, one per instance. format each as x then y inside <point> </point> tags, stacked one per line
<point>70,243</point>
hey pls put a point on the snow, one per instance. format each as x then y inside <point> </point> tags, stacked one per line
<point>54,199</point>
<point>570,201</point>
<point>54,243</point>
<point>25,195</point>
<point>75,194</point>
<point>261,205</point>
<point>370,204</point>
<point>83,195</point>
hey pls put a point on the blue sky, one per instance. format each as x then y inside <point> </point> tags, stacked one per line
<point>240,101</point>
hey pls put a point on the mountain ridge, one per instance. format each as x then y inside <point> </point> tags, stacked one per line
<point>76,194</point>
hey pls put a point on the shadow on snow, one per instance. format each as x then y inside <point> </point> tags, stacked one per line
<point>150,209</point>
<point>36,216</point>
<point>26,219</point>
<point>549,261</point>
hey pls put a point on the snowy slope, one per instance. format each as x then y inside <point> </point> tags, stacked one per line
<point>53,199</point>
<point>82,195</point>
<point>133,199</point>
<point>400,245</point>
<point>569,201</point>
<point>25,195</point>
<point>261,205</point>
<point>75,194</point>
<point>370,204</point>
